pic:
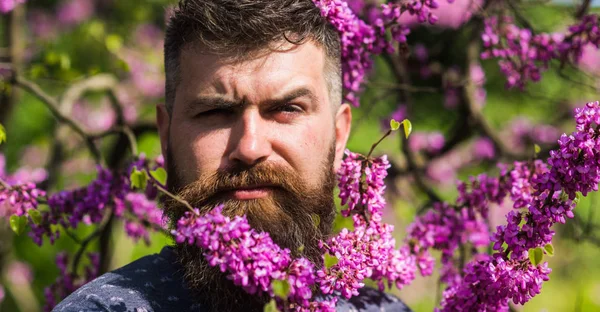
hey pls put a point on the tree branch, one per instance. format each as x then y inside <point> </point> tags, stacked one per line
<point>54,107</point>
<point>582,10</point>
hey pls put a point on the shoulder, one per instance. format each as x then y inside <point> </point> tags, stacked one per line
<point>370,299</point>
<point>149,284</point>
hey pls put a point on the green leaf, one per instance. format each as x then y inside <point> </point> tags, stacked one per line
<point>138,179</point>
<point>407,125</point>
<point>160,175</point>
<point>330,260</point>
<point>549,250</point>
<point>52,58</point>
<point>536,255</point>
<point>18,224</point>
<point>35,215</point>
<point>271,306</point>
<point>281,288</point>
<point>301,249</point>
<point>113,43</point>
<point>2,134</point>
<point>537,149</point>
<point>316,220</point>
<point>96,29</point>
<point>394,125</point>
<point>577,198</point>
<point>38,70</point>
<point>65,61</point>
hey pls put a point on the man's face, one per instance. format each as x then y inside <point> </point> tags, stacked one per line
<point>275,109</point>
<point>256,134</point>
<point>261,136</point>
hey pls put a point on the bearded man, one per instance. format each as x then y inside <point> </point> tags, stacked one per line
<point>253,120</point>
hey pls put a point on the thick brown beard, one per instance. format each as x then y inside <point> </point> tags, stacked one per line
<point>287,215</point>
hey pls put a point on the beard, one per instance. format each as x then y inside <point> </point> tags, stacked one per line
<point>288,214</point>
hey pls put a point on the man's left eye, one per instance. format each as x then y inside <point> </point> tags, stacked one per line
<point>289,108</point>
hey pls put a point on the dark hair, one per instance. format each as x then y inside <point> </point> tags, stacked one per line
<point>247,26</point>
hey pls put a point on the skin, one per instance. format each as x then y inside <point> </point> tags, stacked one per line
<point>272,108</point>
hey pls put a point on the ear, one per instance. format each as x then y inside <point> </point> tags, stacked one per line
<point>343,122</point>
<point>163,121</point>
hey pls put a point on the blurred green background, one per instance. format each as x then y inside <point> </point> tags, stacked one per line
<point>106,41</point>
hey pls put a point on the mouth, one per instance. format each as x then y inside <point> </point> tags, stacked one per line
<point>249,192</point>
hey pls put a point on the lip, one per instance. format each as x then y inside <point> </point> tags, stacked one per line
<point>252,192</point>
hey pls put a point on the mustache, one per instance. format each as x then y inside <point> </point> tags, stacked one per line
<point>211,187</point>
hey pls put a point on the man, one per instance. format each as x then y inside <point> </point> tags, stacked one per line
<point>252,120</point>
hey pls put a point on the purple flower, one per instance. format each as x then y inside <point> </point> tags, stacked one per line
<point>431,142</point>
<point>484,148</point>
<point>19,273</point>
<point>8,5</point>
<point>524,56</point>
<point>19,199</point>
<point>72,12</point>
<point>144,211</point>
<point>67,282</point>
<point>369,200</point>
<point>488,285</point>
<point>358,41</point>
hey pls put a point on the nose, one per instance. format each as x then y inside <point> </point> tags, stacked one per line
<point>250,139</point>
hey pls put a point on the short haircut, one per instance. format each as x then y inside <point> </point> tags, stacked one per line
<point>244,27</point>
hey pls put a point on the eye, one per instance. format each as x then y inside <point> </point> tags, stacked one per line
<point>214,112</point>
<point>289,108</point>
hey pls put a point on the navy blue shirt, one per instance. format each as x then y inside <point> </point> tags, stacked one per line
<point>156,283</point>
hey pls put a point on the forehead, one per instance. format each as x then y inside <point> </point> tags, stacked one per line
<point>253,78</point>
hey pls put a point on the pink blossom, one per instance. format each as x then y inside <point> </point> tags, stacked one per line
<point>8,5</point>
<point>72,12</point>
<point>19,273</point>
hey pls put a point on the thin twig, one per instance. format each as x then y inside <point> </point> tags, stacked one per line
<point>175,197</point>
<point>98,82</point>
<point>582,10</point>
<point>53,106</point>
<point>402,76</point>
<point>118,130</point>
<point>5,184</point>
<point>405,87</point>
<point>89,239</point>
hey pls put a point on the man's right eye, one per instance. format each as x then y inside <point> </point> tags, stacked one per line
<point>214,112</point>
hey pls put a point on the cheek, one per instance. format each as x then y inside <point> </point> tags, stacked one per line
<point>310,147</point>
<point>195,153</point>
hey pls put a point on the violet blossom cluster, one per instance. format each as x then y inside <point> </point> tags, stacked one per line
<point>67,282</point>
<point>523,56</point>
<point>586,32</point>
<point>367,196</point>
<point>543,194</point>
<point>109,192</point>
<point>369,251</point>
<point>18,191</point>
<point>83,205</point>
<point>251,259</point>
<point>361,40</point>
<point>358,41</point>
<point>19,199</point>
<point>488,285</point>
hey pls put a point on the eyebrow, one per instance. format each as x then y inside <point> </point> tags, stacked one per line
<point>214,102</point>
<point>294,94</point>
<point>220,102</point>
